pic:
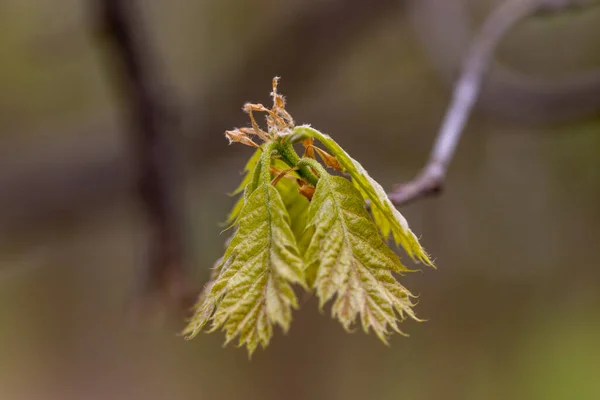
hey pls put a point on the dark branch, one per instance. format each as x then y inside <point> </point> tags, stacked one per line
<point>154,134</point>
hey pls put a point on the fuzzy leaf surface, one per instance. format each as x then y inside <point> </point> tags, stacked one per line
<point>253,291</point>
<point>248,172</point>
<point>386,216</point>
<point>296,206</point>
<point>351,261</point>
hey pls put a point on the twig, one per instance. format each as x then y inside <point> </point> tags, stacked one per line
<point>431,179</point>
<point>154,136</point>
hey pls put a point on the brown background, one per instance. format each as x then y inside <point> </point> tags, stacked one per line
<point>513,310</point>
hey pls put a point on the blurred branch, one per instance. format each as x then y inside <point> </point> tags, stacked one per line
<point>154,135</point>
<point>464,96</point>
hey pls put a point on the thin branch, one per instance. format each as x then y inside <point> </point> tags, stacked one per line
<point>478,59</point>
<point>154,135</point>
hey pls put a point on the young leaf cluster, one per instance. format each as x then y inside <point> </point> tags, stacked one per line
<point>297,224</point>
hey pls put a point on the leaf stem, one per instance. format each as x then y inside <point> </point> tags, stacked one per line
<point>291,158</point>
<point>262,170</point>
<point>312,163</point>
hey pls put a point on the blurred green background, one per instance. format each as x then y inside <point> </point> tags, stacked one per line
<point>513,310</point>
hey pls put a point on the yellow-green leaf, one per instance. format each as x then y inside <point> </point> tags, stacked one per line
<point>296,205</point>
<point>386,216</point>
<point>351,262</point>
<point>248,169</point>
<point>253,291</point>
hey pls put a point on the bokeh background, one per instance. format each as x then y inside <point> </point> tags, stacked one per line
<point>513,310</point>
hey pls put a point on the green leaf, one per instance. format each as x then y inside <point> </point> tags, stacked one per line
<point>248,169</point>
<point>295,204</point>
<point>253,291</point>
<point>386,216</point>
<point>250,165</point>
<point>351,261</point>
